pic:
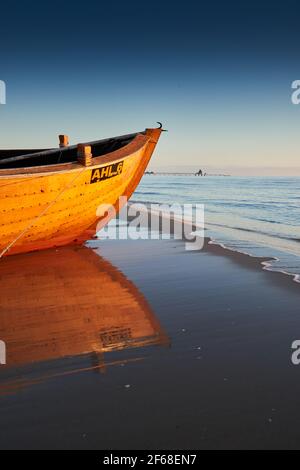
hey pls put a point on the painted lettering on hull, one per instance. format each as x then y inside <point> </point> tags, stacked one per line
<point>107,172</point>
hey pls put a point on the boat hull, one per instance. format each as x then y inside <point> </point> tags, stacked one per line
<point>71,304</point>
<point>59,205</point>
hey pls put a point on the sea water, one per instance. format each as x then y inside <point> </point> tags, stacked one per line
<point>259,216</point>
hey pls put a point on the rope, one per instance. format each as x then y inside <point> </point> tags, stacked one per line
<point>58,161</point>
<point>31,224</point>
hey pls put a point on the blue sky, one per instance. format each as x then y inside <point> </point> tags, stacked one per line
<point>218,75</point>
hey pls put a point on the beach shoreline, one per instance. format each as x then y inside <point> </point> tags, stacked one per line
<point>220,366</point>
<point>257,216</point>
<point>175,224</point>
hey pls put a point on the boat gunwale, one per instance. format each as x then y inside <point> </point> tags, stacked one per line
<point>137,143</point>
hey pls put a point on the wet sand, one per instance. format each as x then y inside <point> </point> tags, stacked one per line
<point>143,345</point>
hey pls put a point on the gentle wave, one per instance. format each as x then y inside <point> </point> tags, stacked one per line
<point>268,265</point>
<point>254,216</point>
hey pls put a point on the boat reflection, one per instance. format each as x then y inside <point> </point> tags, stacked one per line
<point>70,302</point>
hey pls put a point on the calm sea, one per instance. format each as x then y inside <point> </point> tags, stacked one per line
<point>259,216</point>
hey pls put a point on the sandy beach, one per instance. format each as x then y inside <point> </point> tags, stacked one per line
<point>149,228</point>
<point>143,345</point>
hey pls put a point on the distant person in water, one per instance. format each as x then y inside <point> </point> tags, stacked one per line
<point>199,173</point>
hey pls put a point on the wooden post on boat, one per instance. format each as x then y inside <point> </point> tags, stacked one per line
<point>63,141</point>
<point>84,154</point>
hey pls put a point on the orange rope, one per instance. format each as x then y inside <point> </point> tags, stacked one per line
<point>31,224</point>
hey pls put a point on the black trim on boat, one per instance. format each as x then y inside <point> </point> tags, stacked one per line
<point>41,157</point>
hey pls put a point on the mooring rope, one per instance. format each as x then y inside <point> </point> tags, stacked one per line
<point>31,224</point>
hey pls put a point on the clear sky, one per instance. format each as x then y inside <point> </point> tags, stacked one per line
<point>217,74</point>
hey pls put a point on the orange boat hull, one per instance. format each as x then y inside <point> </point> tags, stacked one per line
<point>46,207</point>
<point>60,312</point>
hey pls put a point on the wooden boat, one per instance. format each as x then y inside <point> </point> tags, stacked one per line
<point>51,198</point>
<point>70,303</point>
